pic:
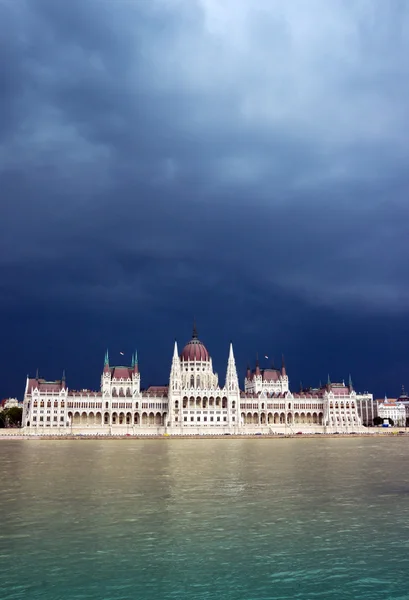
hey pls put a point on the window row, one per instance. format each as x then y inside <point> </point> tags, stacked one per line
<point>48,419</point>
<point>205,419</point>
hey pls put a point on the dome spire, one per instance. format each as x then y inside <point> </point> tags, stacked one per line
<point>194,349</point>
<point>194,333</point>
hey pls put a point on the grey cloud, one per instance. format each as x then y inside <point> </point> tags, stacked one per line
<point>147,146</point>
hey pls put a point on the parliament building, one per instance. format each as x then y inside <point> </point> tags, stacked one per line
<point>193,403</point>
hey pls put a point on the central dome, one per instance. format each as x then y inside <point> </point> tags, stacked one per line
<point>195,350</point>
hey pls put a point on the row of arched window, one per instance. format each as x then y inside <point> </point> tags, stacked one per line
<point>205,402</point>
<point>42,404</point>
<point>121,392</point>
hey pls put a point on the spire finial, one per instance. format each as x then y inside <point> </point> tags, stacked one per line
<point>194,333</point>
<point>106,361</point>
<point>135,358</point>
<point>132,361</point>
<point>63,375</point>
<point>328,380</point>
<point>350,382</point>
<point>257,361</point>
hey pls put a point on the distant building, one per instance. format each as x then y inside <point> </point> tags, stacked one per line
<point>367,408</point>
<point>403,400</point>
<point>391,409</point>
<point>193,402</point>
<point>10,403</point>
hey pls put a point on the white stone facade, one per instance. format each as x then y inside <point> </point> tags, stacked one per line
<point>193,403</point>
<point>390,409</point>
<point>367,408</point>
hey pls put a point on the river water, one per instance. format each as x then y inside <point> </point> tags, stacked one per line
<point>227,519</point>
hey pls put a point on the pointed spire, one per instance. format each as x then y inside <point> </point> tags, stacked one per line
<point>63,375</point>
<point>350,384</point>
<point>258,372</point>
<point>232,381</point>
<point>328,380</point>
<point>248,373</point>
<point>37,374</point>
<point>132,361</point>
<point>175,371</point>
<point>194,333</point>
<point>135,363</point>
<point>106,362</point>
<point>283,369</point>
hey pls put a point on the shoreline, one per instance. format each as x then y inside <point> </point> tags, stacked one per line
<point>377,434</point>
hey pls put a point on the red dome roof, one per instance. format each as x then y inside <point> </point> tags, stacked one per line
<point>195,350</point>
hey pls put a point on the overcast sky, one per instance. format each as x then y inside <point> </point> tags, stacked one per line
<point>242,162</point>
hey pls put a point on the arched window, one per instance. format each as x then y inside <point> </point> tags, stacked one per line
<point>192,381</point>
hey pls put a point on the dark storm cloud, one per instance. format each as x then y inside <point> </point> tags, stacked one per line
<point>155,154</point>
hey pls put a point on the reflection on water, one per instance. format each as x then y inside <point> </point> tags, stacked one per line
<point>204,519</point>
